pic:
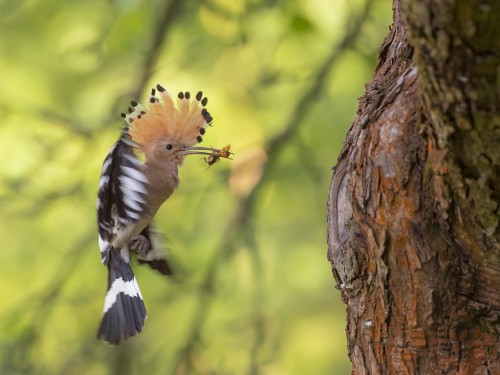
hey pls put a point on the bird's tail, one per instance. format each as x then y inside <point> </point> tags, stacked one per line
<point>124,311</point>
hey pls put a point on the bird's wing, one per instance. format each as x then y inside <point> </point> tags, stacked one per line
<point>121,198</point>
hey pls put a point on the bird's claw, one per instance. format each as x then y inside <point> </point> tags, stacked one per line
<point>139,245</point>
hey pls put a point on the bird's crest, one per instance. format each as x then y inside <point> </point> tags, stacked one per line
<point>182,119</point>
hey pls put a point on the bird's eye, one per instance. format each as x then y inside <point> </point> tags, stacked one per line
<point>168,146</point>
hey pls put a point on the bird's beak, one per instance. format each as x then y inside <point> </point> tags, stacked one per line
<point>200,151</point>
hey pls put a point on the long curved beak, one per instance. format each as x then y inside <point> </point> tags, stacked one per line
<point>200,151</point>
<point>204,151</point>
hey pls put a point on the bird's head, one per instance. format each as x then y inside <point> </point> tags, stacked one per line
<point>169,128</point>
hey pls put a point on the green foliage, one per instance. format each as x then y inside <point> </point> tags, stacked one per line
<point>255,293</point>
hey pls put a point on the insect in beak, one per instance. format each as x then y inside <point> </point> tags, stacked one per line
<point>214,152</point>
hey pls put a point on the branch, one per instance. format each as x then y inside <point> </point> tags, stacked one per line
<point>164,23</point>
<point>20,350</point>
<point>52,291</point>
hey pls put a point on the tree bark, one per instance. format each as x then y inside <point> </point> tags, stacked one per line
<point>413,223</point>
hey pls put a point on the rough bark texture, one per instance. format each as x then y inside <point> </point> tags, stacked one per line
<point>413,226</point>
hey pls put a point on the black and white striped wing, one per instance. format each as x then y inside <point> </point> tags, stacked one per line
<point>121,199</point>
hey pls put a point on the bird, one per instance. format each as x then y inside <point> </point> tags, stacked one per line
<point>132,189</point>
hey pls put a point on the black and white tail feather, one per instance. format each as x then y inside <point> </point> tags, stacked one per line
<point>124,311</point>
<point>120,205</point>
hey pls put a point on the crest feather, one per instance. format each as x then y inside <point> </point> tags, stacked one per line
<point>181,120</point>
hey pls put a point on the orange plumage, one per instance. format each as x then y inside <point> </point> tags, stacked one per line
<point>181,120</point>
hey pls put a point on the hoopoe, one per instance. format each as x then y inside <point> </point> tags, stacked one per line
<point>131,192</point>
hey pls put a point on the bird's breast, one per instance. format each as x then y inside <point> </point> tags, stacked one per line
<point>161,186</point>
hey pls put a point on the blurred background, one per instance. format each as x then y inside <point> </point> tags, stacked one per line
<point>255,292</point>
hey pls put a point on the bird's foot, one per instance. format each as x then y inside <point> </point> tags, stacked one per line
<point>139,245</point>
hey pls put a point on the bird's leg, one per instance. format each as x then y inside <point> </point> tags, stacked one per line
<point>140,245</point>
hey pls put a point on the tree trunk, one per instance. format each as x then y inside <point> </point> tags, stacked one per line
<point>413,224</point>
